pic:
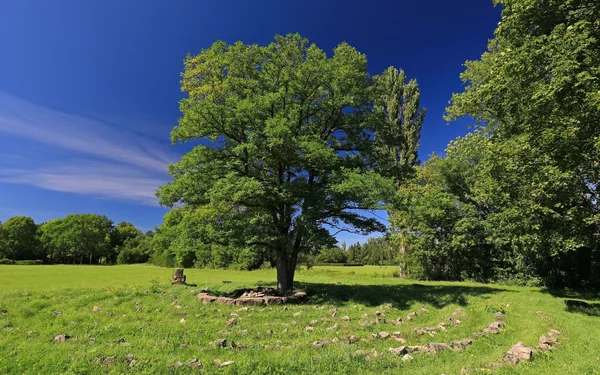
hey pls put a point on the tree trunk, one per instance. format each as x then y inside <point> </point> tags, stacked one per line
<point>402,269</point>
<point>286,268</point>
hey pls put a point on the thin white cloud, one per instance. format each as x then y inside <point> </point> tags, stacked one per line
<point>103,160</point>
<point>107,185</point>
<point>80,134</point>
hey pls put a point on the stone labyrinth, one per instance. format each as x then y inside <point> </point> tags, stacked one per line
<point>259,319</point>
<point>256,301</point>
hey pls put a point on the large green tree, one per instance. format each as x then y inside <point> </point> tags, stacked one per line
<point>397,137</point>
<point>398,134</point>
<point>20,240</point>
<point>289,151</point>
<point>534,188</point>
<point>78,237</point>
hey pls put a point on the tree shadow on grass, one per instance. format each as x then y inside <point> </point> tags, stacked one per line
<point>401,296</point>
<point>574,300</point>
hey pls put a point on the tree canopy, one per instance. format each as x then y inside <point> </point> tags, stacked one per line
<point>288,148</point>
<point>519,198</point>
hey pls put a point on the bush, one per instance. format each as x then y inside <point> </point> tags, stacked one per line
<point>29,262</point>
<point>331,255</point>
<point>6,261</point>
<point>132,256</point>
<point>164,259</point>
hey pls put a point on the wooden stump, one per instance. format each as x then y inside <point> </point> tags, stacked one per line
<point>178,277</point>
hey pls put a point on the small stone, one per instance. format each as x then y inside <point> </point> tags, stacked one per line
<point>314,321</point>
<point>234,314</point>
<point>225,364</point>
<point>413,349</point>
<point>96,308</point>
<point>518,353</point>
<point>205,298</point>
<point>548,340</point>
<point>398,351</point>
<point>317,344</point>
<point>377,313</point>
<point>411,316</point>
<point>309,328</point>
<point>220,343</point>
<point>60,338</point>
<point>297,314</point>
<point>269,332</point>
<point>182,321</point>
<point>133,363</point>
<point>439,347</point>
<point>238,346</point>
<point>352,339</point>
<point>177,364</point>
<point>332,328</point>
<point>195,363</point>
<point>225,301</point>
<point>335,339</point>
<point>491,330</point>
<point>345,318</point>
<point>231,322</point>
<point>406,357</point>
<point>109,361</point>
<point>384,335</point>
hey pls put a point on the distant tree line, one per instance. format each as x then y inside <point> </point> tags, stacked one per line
<point>379,251</point>
<point>74,239</point>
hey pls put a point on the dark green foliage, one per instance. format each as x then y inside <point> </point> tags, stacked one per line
<point>291,151</point>
<point>398,134</point>
<point>375,251</point>
<point>19,240</point>
<point>184,240</point>
<point>331,255</point>
<point>136,249</point>
<point>518,200</point>
<point>77,238</point>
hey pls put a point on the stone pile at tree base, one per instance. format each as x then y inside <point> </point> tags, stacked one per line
<point>254,298</point>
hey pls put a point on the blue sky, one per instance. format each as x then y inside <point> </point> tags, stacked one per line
<point>89,90</point>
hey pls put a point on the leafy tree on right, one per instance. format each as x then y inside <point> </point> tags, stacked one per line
<point>529,179</point>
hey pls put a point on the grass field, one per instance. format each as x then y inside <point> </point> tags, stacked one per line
<point>146,326</point>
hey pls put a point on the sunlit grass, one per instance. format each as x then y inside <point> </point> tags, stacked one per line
<point>141,314</point>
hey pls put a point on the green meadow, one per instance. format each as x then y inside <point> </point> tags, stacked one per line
<point>144,325</point>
